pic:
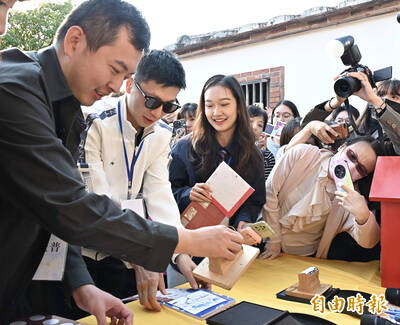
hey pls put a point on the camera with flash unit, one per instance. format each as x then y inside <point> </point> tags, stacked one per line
<point>350,55</point>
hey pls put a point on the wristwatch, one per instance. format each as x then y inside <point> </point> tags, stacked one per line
<point>379,109</point>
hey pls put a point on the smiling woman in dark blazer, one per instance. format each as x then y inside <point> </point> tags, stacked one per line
<point>221,132</point>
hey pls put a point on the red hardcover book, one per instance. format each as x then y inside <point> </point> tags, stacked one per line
<point>229,192</point>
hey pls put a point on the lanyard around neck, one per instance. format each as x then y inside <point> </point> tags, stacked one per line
<point>229,160</point>
<point>130,170</point>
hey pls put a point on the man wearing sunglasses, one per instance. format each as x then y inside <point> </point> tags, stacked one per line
<point>125,156</point>
<point>41,93</point>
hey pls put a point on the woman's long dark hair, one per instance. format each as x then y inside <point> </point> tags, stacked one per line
<point>205,146</point>
<point>290,130</point>
<point>289,104</point>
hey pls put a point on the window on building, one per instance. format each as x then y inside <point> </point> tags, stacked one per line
<point>256,91</point>
<point>265,86</point>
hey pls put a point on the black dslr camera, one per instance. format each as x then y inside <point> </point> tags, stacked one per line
<point>345,86</point>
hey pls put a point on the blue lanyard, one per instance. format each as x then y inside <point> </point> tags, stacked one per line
<point>129,171</point>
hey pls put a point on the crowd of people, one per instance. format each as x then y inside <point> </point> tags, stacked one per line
<point>110,176</point>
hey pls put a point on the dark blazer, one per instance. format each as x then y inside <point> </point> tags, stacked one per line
<point>183,177</point>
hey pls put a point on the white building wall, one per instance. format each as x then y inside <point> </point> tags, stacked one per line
<point>309,72</point>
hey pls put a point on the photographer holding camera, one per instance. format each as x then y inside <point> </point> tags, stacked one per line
<point>360,81</point>
<point>387,111</point>
<point>383,107</point>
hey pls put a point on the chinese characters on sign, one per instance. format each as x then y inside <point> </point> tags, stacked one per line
<point>377,304</point>
<point>54,246</point>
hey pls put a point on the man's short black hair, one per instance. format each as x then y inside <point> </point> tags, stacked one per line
<point>101,20</point>
<point>162,67</point>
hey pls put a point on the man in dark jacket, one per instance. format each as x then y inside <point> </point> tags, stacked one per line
<point>41,191</point>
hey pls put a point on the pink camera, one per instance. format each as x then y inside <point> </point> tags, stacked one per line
<point>342,176</point>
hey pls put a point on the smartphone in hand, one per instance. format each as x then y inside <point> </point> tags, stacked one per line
<point>269,128</point>
<point>275,130</point>
<point>178,127</point>
<point>263,229</point>
<point>342,129</point>
<point>342,176</point>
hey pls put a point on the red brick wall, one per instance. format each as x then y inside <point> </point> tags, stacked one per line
<point>276,78</point>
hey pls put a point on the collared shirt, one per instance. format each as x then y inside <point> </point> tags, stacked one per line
<point>66,108</point>
<point>102,160</point>
<point>41,190</point>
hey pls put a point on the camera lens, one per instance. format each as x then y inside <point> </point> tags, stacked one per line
<point>393,296</point>
<point>345,86</point>
<point>340,171</point>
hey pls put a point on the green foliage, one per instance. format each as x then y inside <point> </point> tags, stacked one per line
<point>35,29</point>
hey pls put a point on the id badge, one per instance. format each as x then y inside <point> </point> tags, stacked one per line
<point>136,205</point>
<point>52,265</point>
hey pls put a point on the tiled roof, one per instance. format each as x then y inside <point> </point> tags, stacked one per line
<point>192,43</point>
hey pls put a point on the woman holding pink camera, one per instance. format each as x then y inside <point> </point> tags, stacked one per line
<point>308,204</point>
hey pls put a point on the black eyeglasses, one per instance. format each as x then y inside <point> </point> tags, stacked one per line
<point>153,103</point>
<point>354,158</point>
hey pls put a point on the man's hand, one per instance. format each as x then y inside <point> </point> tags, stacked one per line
<point>353,202</point>
<point>101,304</point>
<point>186,266</point>
<point>147,283</point>
<point>322,131</point>
<point>200,192</point>
<point>272,250</point>
<point>214,241</point>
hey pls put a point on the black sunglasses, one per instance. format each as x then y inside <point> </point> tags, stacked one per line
<point>153,103</point>
<point>354,158</point>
